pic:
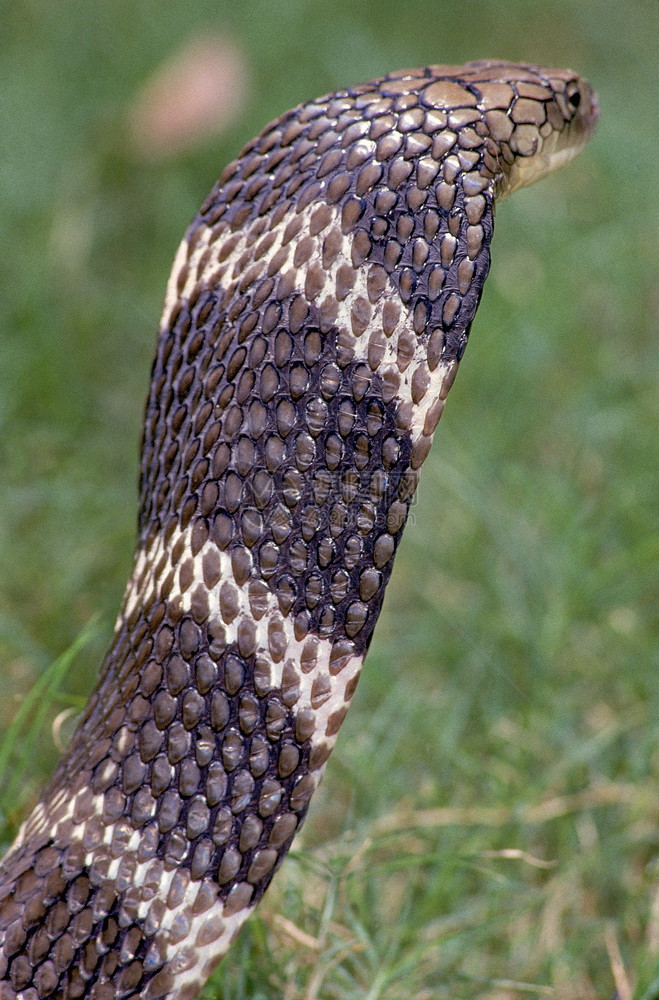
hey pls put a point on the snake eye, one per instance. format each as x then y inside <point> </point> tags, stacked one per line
<point>574,99</point>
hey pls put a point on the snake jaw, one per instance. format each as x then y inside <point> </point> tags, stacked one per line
<point>313,324</point>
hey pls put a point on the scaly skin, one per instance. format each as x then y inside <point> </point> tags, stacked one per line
<point>316,314</point>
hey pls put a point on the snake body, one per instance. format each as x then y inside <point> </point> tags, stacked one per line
<point>317,311</point>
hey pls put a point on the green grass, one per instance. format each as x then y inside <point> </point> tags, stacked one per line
<point>488,826</point>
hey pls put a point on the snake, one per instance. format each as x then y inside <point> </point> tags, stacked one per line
<point>315,317</point>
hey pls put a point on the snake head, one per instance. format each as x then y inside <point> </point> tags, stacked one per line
<point>538,119</point>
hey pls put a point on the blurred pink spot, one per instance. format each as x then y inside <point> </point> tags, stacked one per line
<point>196,93</point>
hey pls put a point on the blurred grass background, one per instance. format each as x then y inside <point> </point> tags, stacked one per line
<point>488,826</point>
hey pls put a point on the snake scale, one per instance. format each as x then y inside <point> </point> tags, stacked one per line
<point>317,310</point>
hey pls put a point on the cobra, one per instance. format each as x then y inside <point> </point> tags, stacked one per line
<point>316,314</point>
